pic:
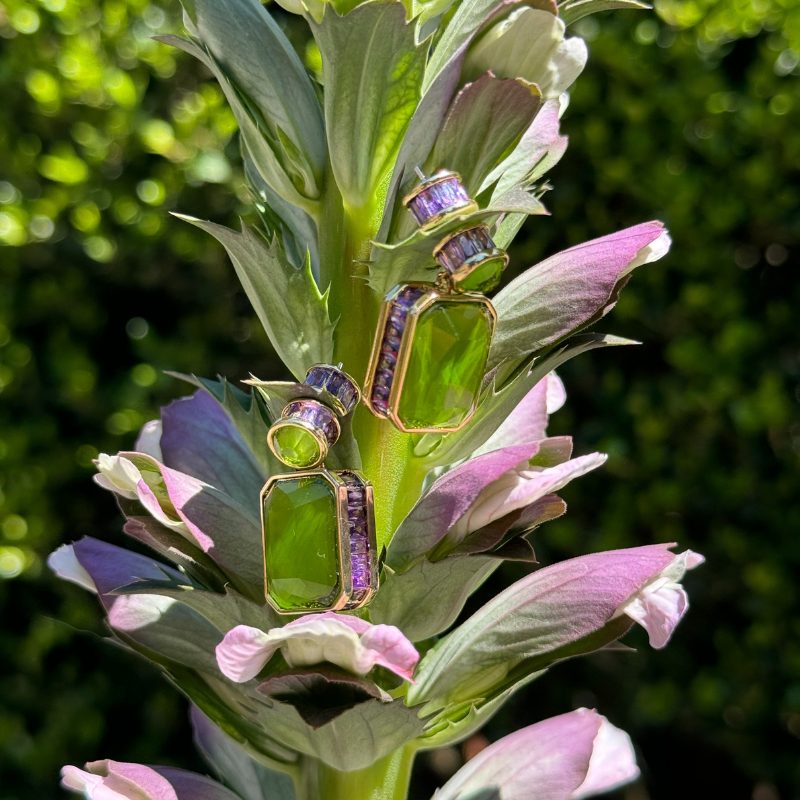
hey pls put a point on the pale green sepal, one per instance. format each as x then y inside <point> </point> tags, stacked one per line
<point>455,723</point>
<point>353,740</point>
<point>372,71</point>
<point>264,152</point>
<point>261,63</point>
<point>485,122</point>
<point>427,598</point>
<point>496,404</point>
<point>248,413</point>
<point>287,301</point>
<point>573,11</point>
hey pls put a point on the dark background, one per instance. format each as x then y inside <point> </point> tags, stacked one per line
<point>690,116</point>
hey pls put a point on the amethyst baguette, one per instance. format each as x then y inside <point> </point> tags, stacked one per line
<point>362,554</point>
<point>456,249</point>
<point>342,388</point>
<point>316,414</point>
<point>390,347</point>
<point>437,198</point>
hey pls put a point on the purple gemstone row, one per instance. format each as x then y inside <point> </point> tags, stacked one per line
<point>463,246</point>
<point>390,346</point>
<point>335,382</point>
<point>360,556</point>
<point>315,413</point>
<point>436,198</point>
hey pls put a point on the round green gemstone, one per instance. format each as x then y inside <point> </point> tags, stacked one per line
<point>484,277</point>
<point>296,446</point>
<point>446,364</point>
<point>301,543</point>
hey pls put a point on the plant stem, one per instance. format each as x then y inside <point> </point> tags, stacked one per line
<point>386,779</point>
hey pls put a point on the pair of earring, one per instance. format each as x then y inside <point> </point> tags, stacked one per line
<point>425,373</point>
<point>318,525</point>
<point>432,343</point>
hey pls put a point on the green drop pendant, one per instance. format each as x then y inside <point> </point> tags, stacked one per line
<point>429,357</point>
<point>318,529</point>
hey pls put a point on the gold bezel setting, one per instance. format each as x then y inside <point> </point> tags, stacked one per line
<point>430,296</point>
<point>345,566</point>
<point>298,422</point>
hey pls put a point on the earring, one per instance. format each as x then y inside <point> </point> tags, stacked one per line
<point>432,342</point>
<point>309,427</point>
<point>320,550</point>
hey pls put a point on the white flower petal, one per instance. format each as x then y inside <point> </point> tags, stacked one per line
<point>66,565</point>
<point>149,441</point>
<point>660,605</point>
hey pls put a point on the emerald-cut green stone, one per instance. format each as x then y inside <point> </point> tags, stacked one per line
<point>296,446</point>
<point>484,277</point>
<point>446,365</point>
<point>301,543</point>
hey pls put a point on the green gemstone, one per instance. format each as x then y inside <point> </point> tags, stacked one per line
<point>301,543</point>
<point>296,446</point>
<point>447,363</point>
<point>484,277</point>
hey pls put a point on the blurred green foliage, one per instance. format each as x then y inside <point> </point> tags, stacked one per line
<point>691,117</point>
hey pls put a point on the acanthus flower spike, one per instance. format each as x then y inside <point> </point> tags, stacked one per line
<point>320,551</point>
<point>308,428</point>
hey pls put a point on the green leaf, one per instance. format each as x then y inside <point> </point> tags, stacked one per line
<point>458,33</point>
<point>573,11</point>
<point>287,301</point>
<point>223,611</point>
<point>247,412</point>
<point>496,405</point>
<point>456,722</point>
<point>258,59</point>
<point>427,598</point>
<point>354,740</point>
<point>237,768</point>
<point>485,122</point>
<point>372,71</point>
<point>266,153</point>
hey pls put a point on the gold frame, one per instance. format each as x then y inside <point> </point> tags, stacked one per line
<point>335,402</point>
<point>471,264</point>
<point>319,436</point>
<point>432,295</point>
<point>466,207</point>
<point>343,524</point>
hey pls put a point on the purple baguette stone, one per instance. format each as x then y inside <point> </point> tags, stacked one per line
<point>390,346</point>
<point>463,246</point>
<point>316,414</point>
<point>440,197</point>
<point>359,541</point>
<point>335,382</point>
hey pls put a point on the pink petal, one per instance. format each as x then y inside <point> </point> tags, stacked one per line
<point>613,762</point>
<point>354,623</point>
<point>391,650</point>
<point>546,761</point>
<point>243,652</point>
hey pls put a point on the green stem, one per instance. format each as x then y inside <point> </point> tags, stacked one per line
<point>386,779</point>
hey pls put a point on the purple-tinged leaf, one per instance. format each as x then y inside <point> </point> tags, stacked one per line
<point>448,500</point>
<point>541,614</point>
<point>199,439</point>
<point>568,289</point>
